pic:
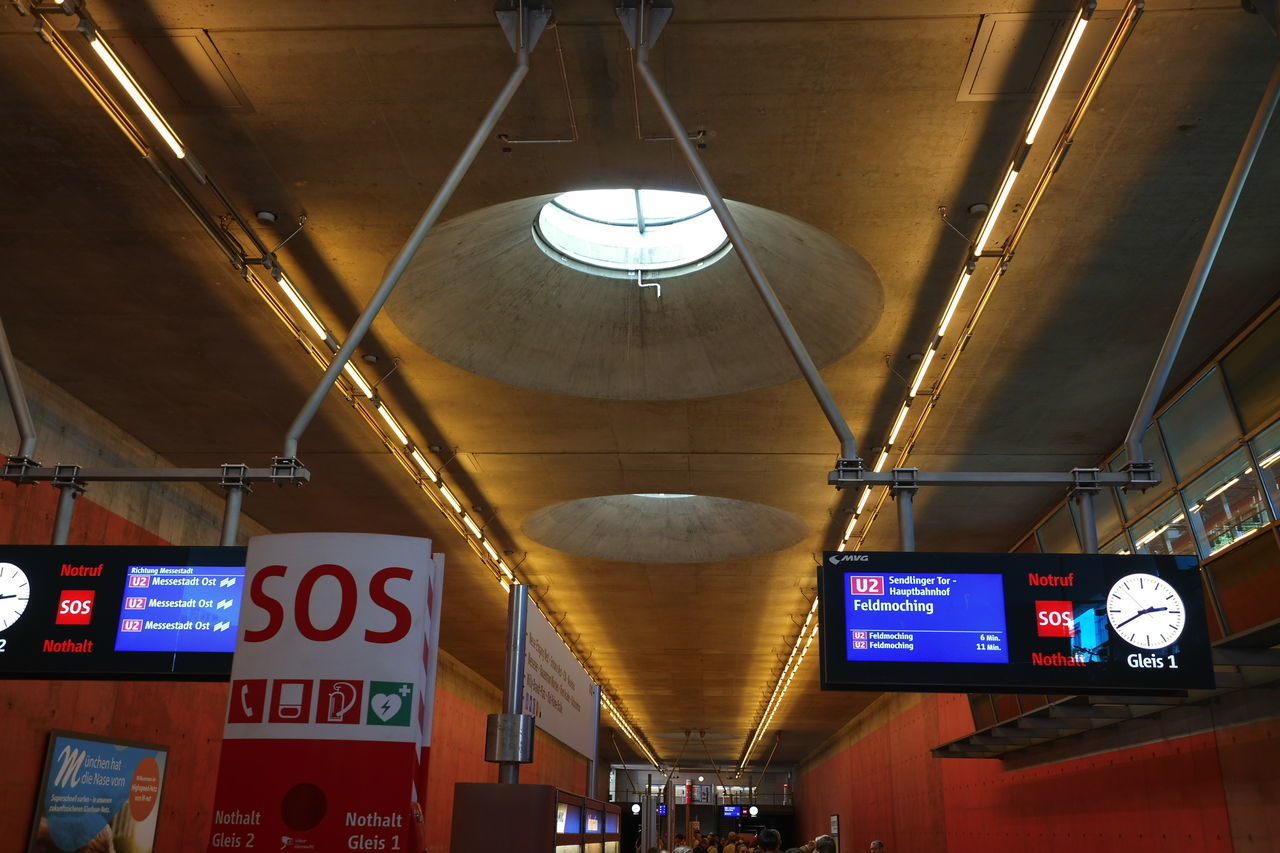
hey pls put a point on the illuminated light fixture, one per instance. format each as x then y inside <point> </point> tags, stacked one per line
<point>844,543</point>
<point>490,550</point>
<point>884,457</point>
<point>1145,539</point>
<point>448,496</point>
<point>954,303</point>
<point>506,587</point>
<point>503,568</point>
<point>897,425</point>
<point>1241,537</point>
<point>472,526</point>
<point>1270,460</point>
<point>920,373</point>
<point>304,309</point>
<point>390,420</point>
<point>117,69</point>
<point>422,463</point>
<point>1221,489</point>
<point>1001,197</point>
<point>848,531</point>
<point>862,501</point>
<point>1059,70</point>
<point>1196,508</point>
<point>354,374</point>
<point>1177,518</point>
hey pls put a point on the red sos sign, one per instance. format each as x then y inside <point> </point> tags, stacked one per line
<point>866,585</point>
<point>349,595</point>
<point>75,607</point>
<point>1054,619</point>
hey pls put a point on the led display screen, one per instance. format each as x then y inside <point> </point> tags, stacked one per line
<point>1011,623</point>
<point>733,811</point>
<point>119,612</point>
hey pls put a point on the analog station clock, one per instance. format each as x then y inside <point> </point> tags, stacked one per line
<point>15,592</point>
<point>1146,611</point>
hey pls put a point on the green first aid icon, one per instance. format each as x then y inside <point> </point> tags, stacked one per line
<point>389,703</point>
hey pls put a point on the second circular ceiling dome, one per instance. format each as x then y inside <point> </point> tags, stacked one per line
<point>483,295</point>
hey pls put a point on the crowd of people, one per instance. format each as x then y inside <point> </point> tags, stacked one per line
<point>766,841</point>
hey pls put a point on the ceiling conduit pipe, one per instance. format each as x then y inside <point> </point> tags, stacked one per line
<point>643,23</point>
<point>18,402</point>
<point>529,27</point>
<point>1191,295</point>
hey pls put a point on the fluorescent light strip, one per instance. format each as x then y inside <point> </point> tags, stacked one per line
<point>502,567</point>
<point>472,526</point>
<point>424,465</point>
<point>884,457</point>
<point>356,377</point>
<point>862,501</point>
<point>1064,59</point>
<point>305,310</point>
<point>117,69</point>
<point>1270,460</point>
<point>897,425</point>
<point>448,496</point>
<point>490,550</point>
<point>1221,489</point>
<point>391,421</point>
<point>953,304</point>
<point>1001,197</point>
<point>921,371</point>
<point>848,531</point>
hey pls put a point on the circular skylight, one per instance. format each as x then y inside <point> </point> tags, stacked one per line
<point>630,233</point>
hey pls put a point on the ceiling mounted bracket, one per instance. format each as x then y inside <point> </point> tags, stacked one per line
<point>523,21</point>
<point>644,20</point>
<point>905,480</point>
<point>1142,476</point>
<point>1085,480</point>
<point>236,476</point>
<point>288,470</point>
<point>848,472</point>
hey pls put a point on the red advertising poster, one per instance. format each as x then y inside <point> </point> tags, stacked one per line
<point>332,686</point>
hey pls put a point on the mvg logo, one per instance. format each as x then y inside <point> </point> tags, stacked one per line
<point>70,761</point>
<point>866,584</point>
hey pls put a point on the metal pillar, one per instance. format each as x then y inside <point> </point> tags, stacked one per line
<point>67,494</point>
<point>509,738</point>
<point>17,400</point>
<point>1088,522</point>
<point>904,492</point>
<point>642,33</point>
<point>231,517</point>
<point>593,764</point>
<point>1191,295</point>
<point>530,26</point>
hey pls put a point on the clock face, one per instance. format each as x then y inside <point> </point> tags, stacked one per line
<point>14,594</point>
<point>1146,611</point>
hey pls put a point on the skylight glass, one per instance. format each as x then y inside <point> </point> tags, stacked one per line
<point>626,232</point>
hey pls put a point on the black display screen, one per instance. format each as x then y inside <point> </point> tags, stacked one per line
<point>88,611</point>
<point>1011,623</point>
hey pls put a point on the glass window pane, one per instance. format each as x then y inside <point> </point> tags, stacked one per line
<point>1028,546</point>
<point>1058,533</point>
<point>1199,426</point>
<point>1226,503</point>
<point>1135,504</point>
<point>1164,531</point>
<point>1266,449</point>
<point>1250,371</point>
<point>1248,582</point>
<point>1119,545</point>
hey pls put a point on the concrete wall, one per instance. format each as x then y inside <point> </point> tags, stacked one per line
<point>1212,791</point>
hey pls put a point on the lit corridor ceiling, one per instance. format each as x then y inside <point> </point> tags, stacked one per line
<point>839,129</point>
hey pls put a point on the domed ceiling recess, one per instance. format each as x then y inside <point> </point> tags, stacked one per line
<point>664,528</point>
<point>483,294</point>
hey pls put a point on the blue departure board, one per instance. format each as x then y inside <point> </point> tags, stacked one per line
<point>939,618</point>
<point>180,608</point>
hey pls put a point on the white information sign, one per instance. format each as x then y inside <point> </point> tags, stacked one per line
<point>557,691</point>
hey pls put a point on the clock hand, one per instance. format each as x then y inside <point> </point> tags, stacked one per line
<point>13,595</point>
<point>1140,613</point>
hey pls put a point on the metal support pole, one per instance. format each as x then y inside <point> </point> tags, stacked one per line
<point>848,444</point>
<point>906,519</point>
<point>17,399</point>
<point>510,735</point>
<point>67,494</point>
<point>1191,295</point>
<point>593,765</point>
<point>397,268</point>
<point>231,517</point>
<point>1088,521</point>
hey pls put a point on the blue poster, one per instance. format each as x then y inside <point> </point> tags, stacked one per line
<point>98,794</point>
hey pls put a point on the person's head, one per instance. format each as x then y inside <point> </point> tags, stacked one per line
<point>876,847</point>
<point>824,844</point>
<point>769,839</point>
<point>733,836</point>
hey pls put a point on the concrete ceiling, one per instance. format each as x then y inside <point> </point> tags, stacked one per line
<point>848,117</point>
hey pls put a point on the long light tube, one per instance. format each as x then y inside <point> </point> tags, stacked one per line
<point>354,374</point>
<point>448,496</point>
<point>921,371</point>
<point>897,425</point>
<point>954,303</point>
<point>1001,197</point>
<point>1221,489</point>
<point>422,463</point>
<point>1267,463</point>
<point>862,501</point>
<point>391,421</point>
<point>304,309</point>
<point>884,457</point>
<point>117,69</point>
<point>1059,70</point>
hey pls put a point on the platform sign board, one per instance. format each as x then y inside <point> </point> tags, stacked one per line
<point>332,687</point>
<point>98,794</point>
<point>557,690</point>
<point>93,611</point>
<point>1010,623</point>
